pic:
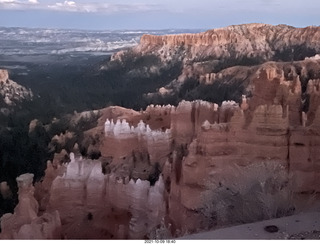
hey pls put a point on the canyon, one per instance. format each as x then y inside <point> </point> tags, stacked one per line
<point>156,177</point>
<point>170,170</point>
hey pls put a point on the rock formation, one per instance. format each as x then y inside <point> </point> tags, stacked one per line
<point>5,190</point>
<point>166,165</point>
<point>196,165</point>
<point>206,144</point>
<point>98,206</point>
<point>249,40</point>
<point>303,156</point>
<point>121,140</point>
<point>25,222</point>
<point>11,92</point>
<point>226,60</point>
<point>4,75</point>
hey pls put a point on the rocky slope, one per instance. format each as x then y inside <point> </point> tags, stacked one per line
<point>260,41</point>
<point>218,64</point>
<point>11,92</point>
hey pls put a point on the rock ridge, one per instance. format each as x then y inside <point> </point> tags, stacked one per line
<point>248,40</point>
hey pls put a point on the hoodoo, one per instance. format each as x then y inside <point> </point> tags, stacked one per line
<point>239,145</point>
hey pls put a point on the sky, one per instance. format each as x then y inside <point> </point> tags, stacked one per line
<point>155,14</point>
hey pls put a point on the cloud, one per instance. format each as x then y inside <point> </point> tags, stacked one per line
<point>84,7</point>
<point>7,2</point>
<point>16,4</point>
<point>64,6</point>
<point>101,7</point>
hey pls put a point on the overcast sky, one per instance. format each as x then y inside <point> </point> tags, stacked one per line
<point>156,14</point>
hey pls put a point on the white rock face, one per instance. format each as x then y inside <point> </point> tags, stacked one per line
<point>227,110</point>
<point>156,203</point>
<point>122,129</point>
<point>316,57</point>
<point>85,189</point>
<point>146,202</point>
<point>227,104</point>
<point>121,135</point>
<point>159,107</point>
<point>183,106</point>
<point>206,125</point>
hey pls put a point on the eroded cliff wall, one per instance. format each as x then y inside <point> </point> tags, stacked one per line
<point>224,61</point>
<point>249,40</point>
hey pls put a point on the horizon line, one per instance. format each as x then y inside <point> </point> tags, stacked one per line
<point>151,29</point>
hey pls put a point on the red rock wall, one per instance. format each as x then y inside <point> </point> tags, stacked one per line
<point>251,39</point>
<point>188,117</point>
<point>221,146</point>
<point>304,157</point>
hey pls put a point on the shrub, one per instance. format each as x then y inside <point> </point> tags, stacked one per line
<point>248,194</point>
